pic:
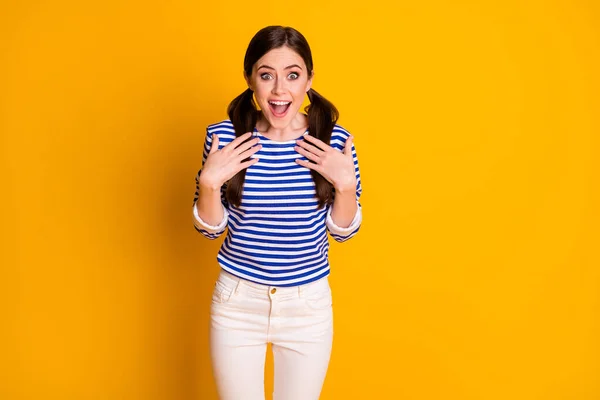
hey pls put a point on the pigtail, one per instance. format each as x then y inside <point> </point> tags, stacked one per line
<point>322,117</point>
<point>243,114</point>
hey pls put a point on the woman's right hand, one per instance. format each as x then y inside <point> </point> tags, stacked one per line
<point>222,165</point>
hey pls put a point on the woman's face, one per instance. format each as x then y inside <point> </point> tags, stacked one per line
<point>280,82</point>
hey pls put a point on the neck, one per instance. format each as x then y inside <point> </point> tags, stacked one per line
<point>297,126</point>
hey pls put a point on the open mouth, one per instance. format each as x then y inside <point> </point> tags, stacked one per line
<point>279,108</point>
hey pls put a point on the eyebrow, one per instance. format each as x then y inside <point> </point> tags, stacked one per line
<point>288,67</point>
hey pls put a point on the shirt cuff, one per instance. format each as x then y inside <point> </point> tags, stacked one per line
<point>333,228</point>
<point>210,228</point>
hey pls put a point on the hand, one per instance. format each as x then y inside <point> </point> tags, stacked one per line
<point>335,166</point>
<point>222,165</point>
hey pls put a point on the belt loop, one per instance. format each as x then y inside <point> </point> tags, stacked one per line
<point>299,290</point>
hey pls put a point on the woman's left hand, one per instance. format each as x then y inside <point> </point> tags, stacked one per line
<point>335,166</point>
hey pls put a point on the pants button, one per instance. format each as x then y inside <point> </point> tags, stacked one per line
<point>273,291</point>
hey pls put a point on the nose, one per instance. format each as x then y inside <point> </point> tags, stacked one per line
<point>278,86</point>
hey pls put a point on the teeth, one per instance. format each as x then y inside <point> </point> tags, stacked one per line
<point>280,103</point>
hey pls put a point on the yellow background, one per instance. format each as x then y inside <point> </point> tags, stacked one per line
<point>475,274</point>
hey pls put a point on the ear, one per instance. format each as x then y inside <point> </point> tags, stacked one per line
<point>309,82</point>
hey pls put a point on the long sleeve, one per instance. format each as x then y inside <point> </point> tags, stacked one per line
<point>209,231</point>
<point>342,234</point>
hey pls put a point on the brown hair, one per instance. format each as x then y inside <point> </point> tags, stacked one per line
<point>243,113</point>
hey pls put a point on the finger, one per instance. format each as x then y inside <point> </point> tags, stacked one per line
<point>248,163</point>
<point>348,146</point>
<point>246,145</point>
<point>310,147</point>
<point>245,154</point>
<point>238,140</point>
<point>308,154</point>
<point>317,142</point>
<point>310,165</point>
<point>215,144</point>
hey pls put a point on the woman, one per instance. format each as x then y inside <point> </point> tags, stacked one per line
<point>279,180</point>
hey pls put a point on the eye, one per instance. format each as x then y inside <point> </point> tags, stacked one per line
<point>265,76</point>
<point>294,75</point>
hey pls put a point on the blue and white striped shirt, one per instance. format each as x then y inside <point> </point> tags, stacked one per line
<point>277,236</point>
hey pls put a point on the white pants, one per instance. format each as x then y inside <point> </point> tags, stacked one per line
<point>297,321</point>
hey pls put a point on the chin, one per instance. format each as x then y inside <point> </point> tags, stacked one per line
<point>280,122</point>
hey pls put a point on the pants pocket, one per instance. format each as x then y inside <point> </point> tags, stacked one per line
<point>223,291</point>
<point>320,299</point>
